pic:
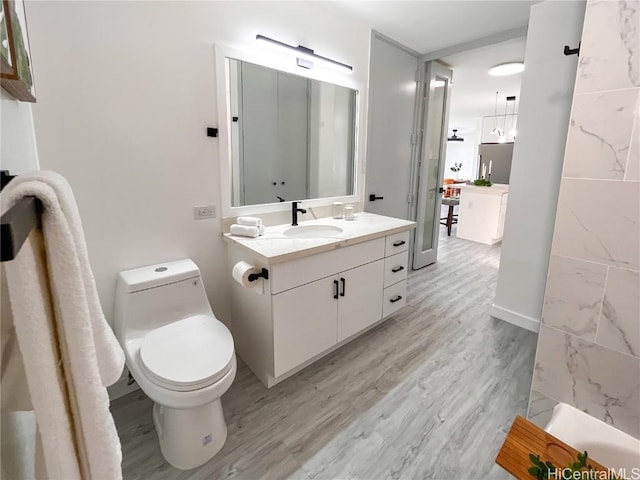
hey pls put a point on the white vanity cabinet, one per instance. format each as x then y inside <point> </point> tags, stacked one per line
<point>309,319</point>
<point>312,304</point>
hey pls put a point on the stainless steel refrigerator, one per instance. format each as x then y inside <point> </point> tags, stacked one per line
<point>499,154</point>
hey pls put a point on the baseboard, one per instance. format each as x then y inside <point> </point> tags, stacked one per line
<point>120,388</point>
<point>515,318</point>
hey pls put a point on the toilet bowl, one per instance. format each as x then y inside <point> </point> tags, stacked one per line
<point>180,355</point>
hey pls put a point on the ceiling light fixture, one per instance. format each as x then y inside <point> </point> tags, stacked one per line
<point>455,137</point>
<point>305,56</point>
<point>503,69</point>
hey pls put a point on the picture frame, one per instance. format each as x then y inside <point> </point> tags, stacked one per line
<point>16,72</point>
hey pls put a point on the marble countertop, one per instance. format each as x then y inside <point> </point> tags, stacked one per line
<point>495,189</point>
<point>275,247</point>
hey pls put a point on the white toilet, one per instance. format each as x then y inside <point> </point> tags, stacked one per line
<point>180,354</point>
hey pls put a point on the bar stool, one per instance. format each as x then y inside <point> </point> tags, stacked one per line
<point>451,218</point>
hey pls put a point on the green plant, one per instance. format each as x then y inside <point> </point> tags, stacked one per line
<point>481,182</point>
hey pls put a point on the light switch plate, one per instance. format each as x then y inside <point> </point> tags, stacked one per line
<point>201,212</point>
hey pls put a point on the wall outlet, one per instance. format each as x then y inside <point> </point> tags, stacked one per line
<point>204,211</point>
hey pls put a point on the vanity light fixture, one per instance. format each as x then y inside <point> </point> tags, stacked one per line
<point>305,56</point>
<point>503,69</point>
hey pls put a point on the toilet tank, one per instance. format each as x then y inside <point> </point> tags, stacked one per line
<point>156,295</point>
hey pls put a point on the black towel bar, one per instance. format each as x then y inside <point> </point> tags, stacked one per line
<point>17,222</point>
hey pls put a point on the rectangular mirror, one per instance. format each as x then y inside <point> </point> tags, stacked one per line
<point>292,137</point>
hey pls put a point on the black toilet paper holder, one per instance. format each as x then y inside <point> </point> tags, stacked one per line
<point>255,276</point>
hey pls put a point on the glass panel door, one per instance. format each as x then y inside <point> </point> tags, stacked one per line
<point>431,165</point>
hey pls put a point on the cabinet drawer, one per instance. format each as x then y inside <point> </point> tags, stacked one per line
<point>395,268</point>
<point>395,297</point>
<point>396,243</point>
<point>287,275</point>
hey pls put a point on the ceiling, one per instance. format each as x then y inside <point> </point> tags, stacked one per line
<point>473,90</point>
<point>430,25</point>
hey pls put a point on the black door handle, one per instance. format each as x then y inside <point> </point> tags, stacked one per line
<point>335,285</point>
<point>344,283</point>
<point>397,269</point>
<point>373,198</point>
<point>397,244</point>
<point>396,298</point>
<point>441,190</point>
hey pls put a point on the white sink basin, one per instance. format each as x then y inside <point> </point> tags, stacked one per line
<point>313,231</point>
<point>604,444</point>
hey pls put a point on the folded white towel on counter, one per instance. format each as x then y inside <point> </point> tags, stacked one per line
<point>261,228</point>
<point>245,231</point>
<point>249,221</point>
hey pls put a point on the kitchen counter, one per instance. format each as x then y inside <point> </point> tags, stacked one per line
<point>275,247</point>
<point>482,212</point>
<point>495,189</point>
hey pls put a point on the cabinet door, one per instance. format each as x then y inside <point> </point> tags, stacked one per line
<point>304,323</point>
<point>360,302</point>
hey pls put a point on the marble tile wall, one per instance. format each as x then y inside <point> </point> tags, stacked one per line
<point>588,352</point>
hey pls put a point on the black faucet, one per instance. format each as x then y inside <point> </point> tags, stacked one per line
<point>294,213</point>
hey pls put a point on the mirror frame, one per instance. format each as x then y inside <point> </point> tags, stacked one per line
<point>285,63</point>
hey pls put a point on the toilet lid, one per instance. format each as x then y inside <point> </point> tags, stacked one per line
<point>188,354</point>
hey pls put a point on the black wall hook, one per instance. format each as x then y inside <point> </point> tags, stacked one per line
<point>572,51</point>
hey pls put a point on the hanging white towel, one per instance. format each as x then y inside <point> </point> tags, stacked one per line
<point>70,353</point>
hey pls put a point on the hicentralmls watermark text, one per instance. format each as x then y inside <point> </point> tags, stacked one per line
<point>620,473</point>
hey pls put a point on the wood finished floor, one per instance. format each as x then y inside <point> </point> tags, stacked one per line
<point>429,394</point>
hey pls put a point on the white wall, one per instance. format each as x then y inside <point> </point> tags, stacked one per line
<point>125,92</point>
<point>18,151</point>
<point>543,119</point>
<point>463,152</point>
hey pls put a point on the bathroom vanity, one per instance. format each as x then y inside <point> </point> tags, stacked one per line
<point>328,282</point>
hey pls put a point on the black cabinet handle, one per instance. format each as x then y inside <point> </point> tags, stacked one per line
<point>397,244</point>
<point>335,285</point>
<point>397,269</point>
<point>344,286</point>
<point>373,197</point>
<point>396,298</point>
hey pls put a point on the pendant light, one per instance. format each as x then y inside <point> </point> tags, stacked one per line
<point>502,138</point>
<point>496,130</point>
<point>455,137</point>
<point>512,130</point>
